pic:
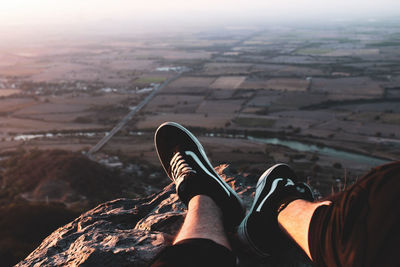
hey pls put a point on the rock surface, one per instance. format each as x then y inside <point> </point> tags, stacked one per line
<point>126,232</point>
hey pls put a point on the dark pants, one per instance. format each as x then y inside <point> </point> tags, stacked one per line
<point>360,228</point>
<point>196,252</point>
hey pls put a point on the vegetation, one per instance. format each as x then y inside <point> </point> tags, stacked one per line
<point>150,80</point>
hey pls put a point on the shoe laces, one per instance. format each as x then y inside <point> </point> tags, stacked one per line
<point>179,167</point>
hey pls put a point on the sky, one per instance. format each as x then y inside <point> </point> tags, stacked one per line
<point>47,13</point>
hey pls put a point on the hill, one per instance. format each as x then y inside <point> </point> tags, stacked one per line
<point>42,190</point>
<point>58,176</point>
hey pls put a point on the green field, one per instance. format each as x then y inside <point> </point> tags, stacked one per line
<point>151,79</point>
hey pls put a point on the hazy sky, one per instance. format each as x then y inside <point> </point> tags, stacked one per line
<point>25,11</point>
<point>31,13</point>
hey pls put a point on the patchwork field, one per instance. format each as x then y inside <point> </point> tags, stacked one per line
<point>174,103</point>
<point>192,82</point>
<point>213,107</point>
<point>228,82</point>
<point>151,122</point>
<point>329,86</point>
<point>226,68</point>
<point>281,84</point>
<point>352,87</point>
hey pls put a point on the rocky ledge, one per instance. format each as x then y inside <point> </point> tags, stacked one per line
<point>130,232</point>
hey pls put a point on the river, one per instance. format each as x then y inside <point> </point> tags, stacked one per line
<point>295,145</point>
<point>328,151</point>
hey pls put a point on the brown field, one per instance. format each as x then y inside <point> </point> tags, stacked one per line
<point>228,82</point>
<point>55,71</point>
<point>171,54</point>
<point>17,125</point>
<point>191,82</point>
<point>387,106</point>
<point>186,90</point>
<point>287,84</point>
<point>12,104</point>
<point>226,68</point>
<point>285,70</point>
<point>92,101</point>
<point>48,108</point>
<point>197,120</point>
<point>19,70</point>
<point>295,100</point>
<point>212,107</point>
<point>177,103</point>
<point>281,84</point>
<point>292,59</point>
<point>360,127</point>
<point>132,64</point>
<point>389,118</point>
<point>254,121</point>
<point>8,92</point>
<point>361,86</point>
<point>59,117</point>
<point>251,110</point>
<point>352,52</point>
<point>60,113</point>
<point>221,94</point>
<point>262,101</point>
<point>300,71</point>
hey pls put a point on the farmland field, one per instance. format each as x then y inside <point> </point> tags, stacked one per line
<point>228,82</point>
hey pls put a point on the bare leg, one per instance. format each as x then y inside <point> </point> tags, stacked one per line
<point>295,220</point>
<point>203,220</point>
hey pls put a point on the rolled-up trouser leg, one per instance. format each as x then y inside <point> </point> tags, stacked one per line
<point>362,226</point>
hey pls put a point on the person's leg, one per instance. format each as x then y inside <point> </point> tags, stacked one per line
<point>357,227</point>
<point>201,241</point>
<point>275,189</point>
<point>295,221</point>
<point>186,164</point>
<point>203,220</point>
<point>213,206</point>
<point>361,226</point>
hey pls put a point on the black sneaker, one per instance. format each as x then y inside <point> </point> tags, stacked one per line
<point>186,163</point>
<point>275,189</point>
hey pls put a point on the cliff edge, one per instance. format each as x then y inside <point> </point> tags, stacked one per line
<point>130,232</point>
